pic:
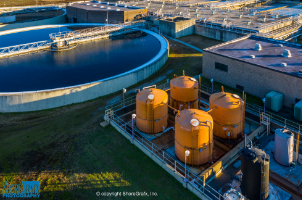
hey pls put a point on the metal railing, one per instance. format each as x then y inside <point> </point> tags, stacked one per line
<point>167,159</point>
<point>73,37</point>
<point>103,30</point>
<point>131,100</point>
<point>257,110</point>
<point>23,48</point>
<point>251,108</point>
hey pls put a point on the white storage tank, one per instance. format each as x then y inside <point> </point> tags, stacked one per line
<point>284,147</point>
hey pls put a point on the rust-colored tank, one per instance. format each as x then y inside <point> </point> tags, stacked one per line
<point>228,112</point>
<point>151,110</point>
<point>194,132</point>
<point>184,93</point>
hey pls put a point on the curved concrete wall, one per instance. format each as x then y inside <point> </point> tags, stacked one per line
<point>55,20</point>
<point>45,99</point>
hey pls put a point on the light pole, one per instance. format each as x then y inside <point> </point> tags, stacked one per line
<point>124,91</point>
<point>263,104</point>
<point>212,81</point>
<point>133,117</point>
<point>187,153</point>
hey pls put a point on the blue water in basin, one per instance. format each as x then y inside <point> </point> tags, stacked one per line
<point>86,63</point>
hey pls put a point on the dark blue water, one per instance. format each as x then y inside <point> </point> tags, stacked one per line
<point>88,62</point>
<point>31,36</point>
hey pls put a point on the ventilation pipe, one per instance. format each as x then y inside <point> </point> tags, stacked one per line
<point>286,53</point>
<point>258,47</point>
<point>283,64</point>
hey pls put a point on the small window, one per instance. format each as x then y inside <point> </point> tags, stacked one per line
<point>221,67</point>
<point>239,87</point>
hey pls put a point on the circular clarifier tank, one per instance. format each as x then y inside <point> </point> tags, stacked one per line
<point>101,66</point>
<point>88,62</point>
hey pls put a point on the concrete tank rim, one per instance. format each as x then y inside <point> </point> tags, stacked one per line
<point>161,39</point>
<point>63,9</point>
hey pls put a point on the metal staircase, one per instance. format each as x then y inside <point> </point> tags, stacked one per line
<point>285,31</point>
<point>265,119</point>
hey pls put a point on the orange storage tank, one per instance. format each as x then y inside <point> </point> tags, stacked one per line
<point>194,132</point>
<point>151,110</point>
<point>184,93</point>
<point>228,112</point>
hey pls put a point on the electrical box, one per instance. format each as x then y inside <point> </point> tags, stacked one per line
<point>274,101</point>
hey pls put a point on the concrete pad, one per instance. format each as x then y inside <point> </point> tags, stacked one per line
<point>281,193</point>
<point>293,174</point>
<point>104,123</point>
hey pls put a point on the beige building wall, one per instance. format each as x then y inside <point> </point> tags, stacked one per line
<point>256,80</point>
<point>94,16</point>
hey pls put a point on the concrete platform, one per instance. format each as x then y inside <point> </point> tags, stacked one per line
<point>292,174</point>
<point>196,169</point>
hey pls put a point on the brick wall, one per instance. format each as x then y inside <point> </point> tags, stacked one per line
<point>256,80</point>
<point>84,16</point>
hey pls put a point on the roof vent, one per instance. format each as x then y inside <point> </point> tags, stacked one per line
<point>248,23</point>
<point>151,96</point>
<point>194,122</point>
<point>117,9</point>
<point>300,71</point>
<point>235,96</point>
<point>264,19</point>
<point>258,47</point>
<point>108,3</point>
<point>101,6</point>
<point>286,53</point>
<point>252,56</point>
<point>280,45</point>
<point>94,5</point>
<point>88,4</point>
<point>283,64</point>
<point>240,16</point>
<point>108,8</point>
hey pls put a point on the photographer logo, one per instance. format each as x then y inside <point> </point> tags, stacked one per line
<point>26,189</point>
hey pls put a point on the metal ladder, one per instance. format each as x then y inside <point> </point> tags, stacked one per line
<point>195,153</point>
<point>265,119</point>
<point>150,117</point>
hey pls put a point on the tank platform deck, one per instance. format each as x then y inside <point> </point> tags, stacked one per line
<point>215,176</point>
<point>292,173</point>
<point>231,178</point>
<point>165,141</point>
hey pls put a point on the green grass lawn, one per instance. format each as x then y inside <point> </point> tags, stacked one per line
<point>74,157</point>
